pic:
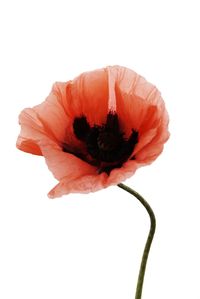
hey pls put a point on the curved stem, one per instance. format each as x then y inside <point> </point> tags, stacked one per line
<point>138,294</point>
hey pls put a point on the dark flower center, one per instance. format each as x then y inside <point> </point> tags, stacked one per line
<point>106,143</point>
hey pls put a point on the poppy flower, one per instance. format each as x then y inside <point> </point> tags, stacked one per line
<point>96,130</point>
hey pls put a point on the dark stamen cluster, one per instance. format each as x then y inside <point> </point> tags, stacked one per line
<point>105,143</point>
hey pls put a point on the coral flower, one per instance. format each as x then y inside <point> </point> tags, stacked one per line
<point>96,130</point>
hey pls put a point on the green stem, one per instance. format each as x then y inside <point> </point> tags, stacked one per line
<point>138,294</point>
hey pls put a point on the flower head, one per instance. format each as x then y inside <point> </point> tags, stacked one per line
<point>97,129</point>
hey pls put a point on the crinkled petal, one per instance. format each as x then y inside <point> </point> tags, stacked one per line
<point>93,182</point>
<point>64,165</point>
<point>140,107</point>
<point>89,96</point>
<point>153,149</point>
<point>49,119</point>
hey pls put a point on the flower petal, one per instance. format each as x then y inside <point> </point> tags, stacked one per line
<point>133,96</point>
<point>49,119</point>
<point>150,151</point>
<point>82,184</point>
<point>89,96</point>
<point>140,107</point>
<point>93,182</point>
<point>64,165</point>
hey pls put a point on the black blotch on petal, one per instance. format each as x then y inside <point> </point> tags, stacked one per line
<point>91,142</point>
<point>109,168</point>
<point>81,127</point>
<point>112,123</point>
<point>68,149</point>
<point>105,144</point>
<point>133,139</point>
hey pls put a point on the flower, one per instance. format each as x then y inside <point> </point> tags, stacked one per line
<point>96,130</point>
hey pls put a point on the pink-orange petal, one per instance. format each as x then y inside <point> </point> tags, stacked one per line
<point>93,182</point>
<point>29,146</point>
<point>153,149</point>
<point>82,184</point>
<point>140,107</point>
<point>64,165</point>
<point>32,130</point>
<point>134,95</point>
<point>52,113</point>
<point>89,96</point>
<point>48,119</point>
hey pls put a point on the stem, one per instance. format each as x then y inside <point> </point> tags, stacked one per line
<point>138,294</point>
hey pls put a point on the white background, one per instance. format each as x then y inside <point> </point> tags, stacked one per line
<point>89,246</point>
